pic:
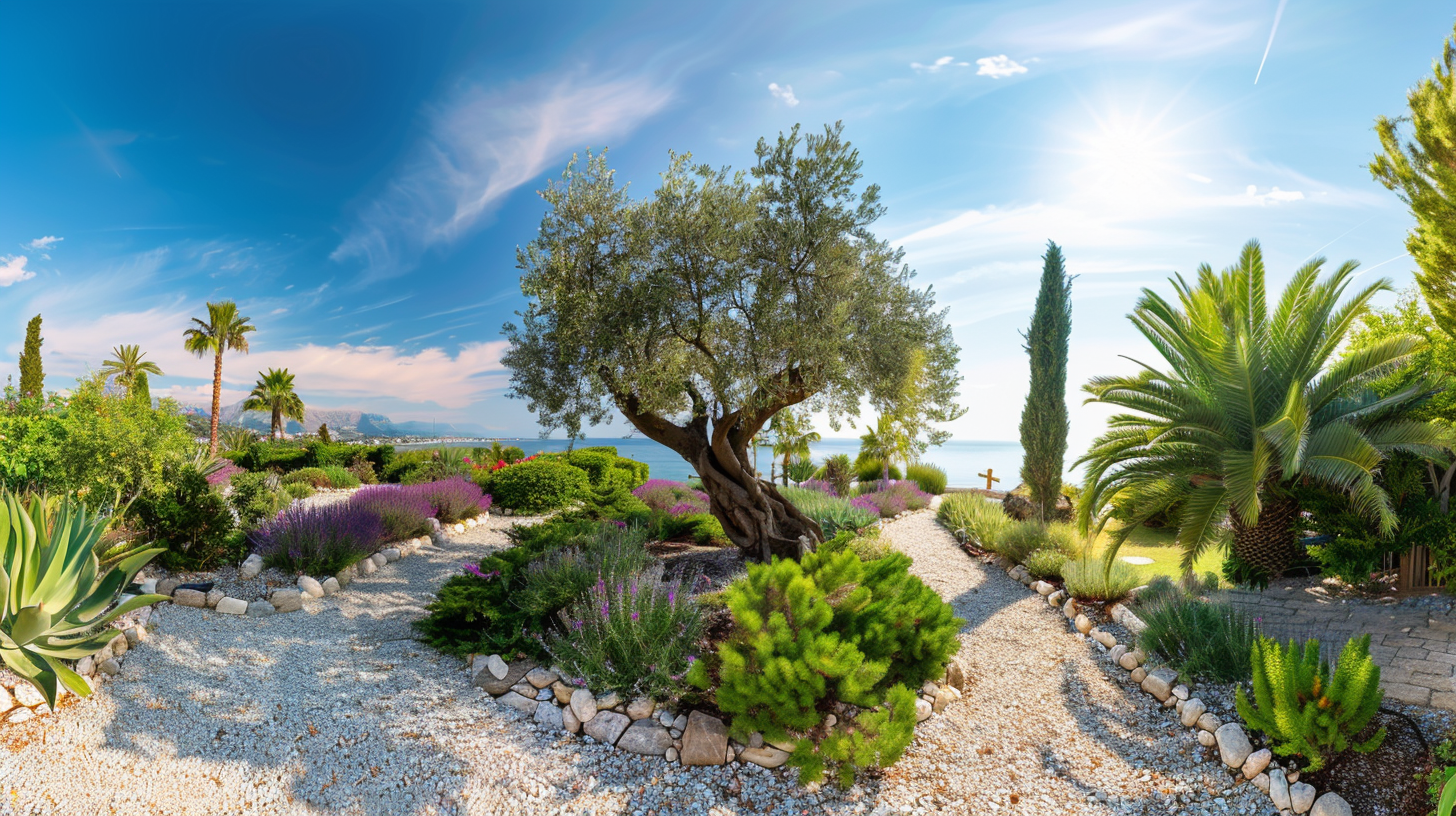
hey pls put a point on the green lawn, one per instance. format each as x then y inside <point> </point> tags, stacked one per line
<point>1158,545</point>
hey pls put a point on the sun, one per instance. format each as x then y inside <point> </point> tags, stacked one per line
<point>1127,163</point>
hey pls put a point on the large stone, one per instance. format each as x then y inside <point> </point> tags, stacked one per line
<point>391,554</point>
<point>923,710</point>
<point>1301,797</point>
<point>190,597</point>
<point>167,586</point>
<point>496,666</point>
<point>584,705</point>
<point>286,600</point>
<point>1331,804</point>
<point>135,635</point>
<point>1279,789</point>
<point>704,741</point>
<point>7,702</point>
<point>379,559</point>
<point>1209,721</point>
<point>345,576</point>
<point>366,567</point>
<point>1233,744</point>
<point>310,586</point>
<point>213,596</point>
<point>497,686</point>
<point>1256,763</point>
<point>1262,783</point>
<point>765,757</point>
<point>1159,682</point>
<point>541,678</point>
<point>1043,588</point>
<point>562,692</point>
<point>955,676</point>
<point>609,699</point>
<point>569,720</point>
<point>1180,691</point>
<point>606,726</point>
<point>261,609</point>
<point>521,703</point>
<point>1116,653</point>
<point>85,667</point>
<point>109,667</point>
<point>944,696</point>
<point>331,585</point>
<point>1130,660</point>
<point>1206,739</point>
<point>1083,624</point>
<point>1104,637</point>
<point>1139,674</point>
<point>1056,598</point>
<point>549,715</point>
<point>232,606</point>
<point>1190,711</point>
<point>252,565</point>
<point>640,708</point>
<point>645,737</point>
<point>119,644</point>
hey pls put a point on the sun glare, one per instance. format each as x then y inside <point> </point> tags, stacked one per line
<point>1127,163</point>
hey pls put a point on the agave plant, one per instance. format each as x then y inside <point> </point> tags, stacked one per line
<point>55,603</point>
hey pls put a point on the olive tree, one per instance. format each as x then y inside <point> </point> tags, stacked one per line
<point>725,297</point>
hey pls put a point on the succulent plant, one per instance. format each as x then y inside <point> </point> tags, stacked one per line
<point>55,603</point>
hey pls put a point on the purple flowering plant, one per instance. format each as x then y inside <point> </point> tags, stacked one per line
<point>318,540</point>
<point>673,498</point>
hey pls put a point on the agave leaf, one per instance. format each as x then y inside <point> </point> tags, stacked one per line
<point>136,602</point>
<point>69,678</point>
<point>34,669</point>
<point>29,624</point>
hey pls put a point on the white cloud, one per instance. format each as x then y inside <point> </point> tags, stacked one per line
<point>935,67</point>
<point>482,144</point>
<point>784,93</point>
<point>12,269</point>
<point>1275,195</point>
<point>999,66</point>
<point>44,243</point>
<point>1199,179</point>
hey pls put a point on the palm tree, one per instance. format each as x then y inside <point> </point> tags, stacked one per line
<point>1246,403</point>
<point>274,393</point>
<point>224,329</point>
<point>791,437</point>
<point>887,441</point>
<point>127,365</point>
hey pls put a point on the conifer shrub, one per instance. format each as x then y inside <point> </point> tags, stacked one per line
<point>1207,639</point>
<point>1305,708</point>
<point>825,630</point>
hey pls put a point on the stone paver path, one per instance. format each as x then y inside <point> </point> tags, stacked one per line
<point>338,710</point>
<point>1415,648</point>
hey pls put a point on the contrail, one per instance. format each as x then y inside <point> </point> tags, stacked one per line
<point>1277,14</point>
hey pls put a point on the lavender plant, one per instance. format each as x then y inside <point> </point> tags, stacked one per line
<point>673,498</point>
<point>561,576</point>
<point>635,636</point>
<point>453,499</point>
<point>402,510</point>
<point>318,540</point>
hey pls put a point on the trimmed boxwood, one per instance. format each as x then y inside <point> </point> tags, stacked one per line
<point>538,485</point>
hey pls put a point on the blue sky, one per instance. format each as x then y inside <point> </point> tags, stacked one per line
<point>358,176</point>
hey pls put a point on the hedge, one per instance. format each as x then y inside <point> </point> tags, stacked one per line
<point>537,486</point>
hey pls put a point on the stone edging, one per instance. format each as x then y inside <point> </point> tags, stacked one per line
<point>20,701</point>
<point>1285,791</point>
<point>286,599</point>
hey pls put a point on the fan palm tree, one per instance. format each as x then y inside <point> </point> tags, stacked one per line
<point>1245,403</point>
<point>887,442</point>
<point>274,393</point>
<point>224,329</point>
<point>791,437</point>
<point>127,365</point>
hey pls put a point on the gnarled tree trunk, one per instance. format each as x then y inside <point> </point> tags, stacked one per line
<point>1272,543</point>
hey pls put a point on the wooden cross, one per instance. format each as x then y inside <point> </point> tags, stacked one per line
<point>988,477</point>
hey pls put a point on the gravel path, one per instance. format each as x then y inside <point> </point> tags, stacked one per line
<point>338,710</point>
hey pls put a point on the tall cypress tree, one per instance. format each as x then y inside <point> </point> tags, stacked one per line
<point>141,389</point>
<point>32,376</point>
<point>1044,419</point>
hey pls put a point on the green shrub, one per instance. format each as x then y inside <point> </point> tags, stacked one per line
<point>1305,709</point>
<point>834,514</point>
<point>299,490</point>
<point>974,519</point>
<point>511,454</point>
<point>476,613</point>
<point>260,455</point>
<point>1098,581</point>
<point>312,476</point>
<point>1046,564</point>
<point>340,477</point>
<point>538,486</point>
<point>192,521</point>
<point>868,546</point>
<point>563,575</point>
<point>1208,640</point>
<point>258,498</point>
<point>838,472</point>
<point>872,470</point>
<point>636,635</point>
<point>828,629</point>
<point>930,478</point>
<point>401,464</point>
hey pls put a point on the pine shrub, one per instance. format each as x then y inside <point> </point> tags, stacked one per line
<point>1307,710</point>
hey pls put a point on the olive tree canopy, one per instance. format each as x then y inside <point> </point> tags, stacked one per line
<point>702,311</point>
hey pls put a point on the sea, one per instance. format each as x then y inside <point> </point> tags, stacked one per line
<point>964,461</point>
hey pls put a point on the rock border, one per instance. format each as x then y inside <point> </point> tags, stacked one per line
<point>1286,792</point>
<point>20,701</point>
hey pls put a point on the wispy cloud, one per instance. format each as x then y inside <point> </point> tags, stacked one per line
<point>936,66</point>
<point>999,67</point>
<point>1275,195</point>
<point>12,269</point>
<point>1146,29</point>
<point>44,243</point>
<point>783,93</point>
<point>482,144</point>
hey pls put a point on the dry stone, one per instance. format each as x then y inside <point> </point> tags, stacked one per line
<point>1279,789</point>
<point>646,737</point>
<point>1083,624</point>
<point>252,565</point>
<point>541,678</point>
<point>260,609</point>
<point>519,702</point>
<point>549,715</point>
<point>496,666</point>
<point>584,705</point>
<point>1190,711</point>
<point>391,554</point>
<point>286,600</point>
<point>606,726</point>
<point>345,576</point>
<point>1159,683</point>
<point>331,585</point>
<point>1233,745</point>
<point>232,606</point>
<point>310,586</point>
<point>1209,722</point>
<point>704,740</point>
<point>189,597</point>
<point>213,596</point>
<point>1256,763</point>
<point>496,686</point>
<point>640,708</point>
<point>28,695</point>
<point>1301,797</point>
<point>1331,804</point>
<point>765,757</point>
<point>569,720</point>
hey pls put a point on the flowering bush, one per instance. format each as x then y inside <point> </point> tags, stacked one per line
<point>635,636</point>
<point>224,474</point>
<point>891,498</point>
<point>318,540</point>
<point>403,511</point>
<point>451,499</point>
<point>673,498</point>
<point>832,512</point>
<point>563,575</point>
<point>820,485</point>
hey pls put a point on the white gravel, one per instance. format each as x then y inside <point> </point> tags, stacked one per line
<point>338,710</point>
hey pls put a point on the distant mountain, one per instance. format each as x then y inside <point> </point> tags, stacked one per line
<point>345,423</point>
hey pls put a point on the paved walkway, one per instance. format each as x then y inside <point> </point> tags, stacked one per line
<point>338,710</point>
<point>1414,647</point>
